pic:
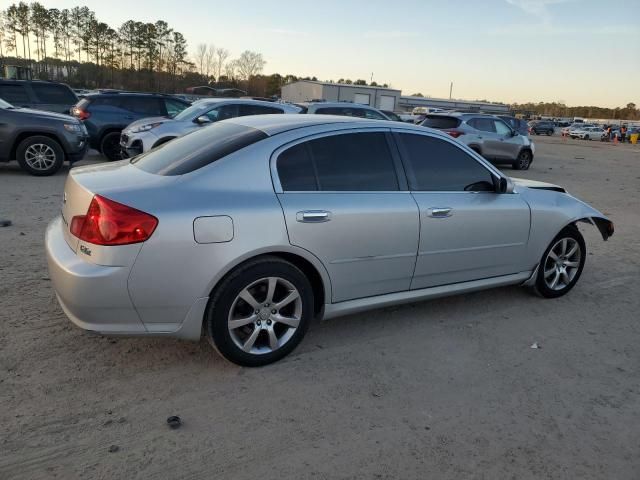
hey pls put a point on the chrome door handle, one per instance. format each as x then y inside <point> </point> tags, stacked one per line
<point>440,212</point>
<point>313,216</point>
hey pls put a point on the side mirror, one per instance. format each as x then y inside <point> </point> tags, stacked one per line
<point>202,119</point>
<point>505,185</point>
<point>514,133</point>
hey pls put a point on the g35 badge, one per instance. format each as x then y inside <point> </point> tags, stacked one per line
<point>85,250</point>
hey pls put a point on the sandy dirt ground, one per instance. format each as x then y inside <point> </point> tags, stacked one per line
<point>447,389</point>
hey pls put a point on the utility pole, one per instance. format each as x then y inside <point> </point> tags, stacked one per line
<point>371,79</point>
<point>450,90</point>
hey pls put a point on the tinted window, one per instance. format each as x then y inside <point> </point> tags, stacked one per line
<point>438,121</point>
<point>296,171</point>
<point>222,113</point>
<point>351,162</point>
<point>173,107</point>
<point>52,93</point>
<point>501,128</point>
<point>14,94</point>
<point>103,102</point>
<point>438,165</point>
<point>372,115</point>
<point>143,105</point>
<point>198,149</point>
<point>257,110</point>
<point>484,124</point>
<point>335,111</point>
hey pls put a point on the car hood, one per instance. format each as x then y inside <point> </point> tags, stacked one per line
<point>524,182</point>
<point>44,114</point>
<point>145,121</point>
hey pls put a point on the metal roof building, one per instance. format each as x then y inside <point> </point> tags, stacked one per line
<point>308,90</point>
<point>408,103</point>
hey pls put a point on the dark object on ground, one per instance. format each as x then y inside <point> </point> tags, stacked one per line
<point>5,223</point>
<point>113,448</point>
<point>174,422</point>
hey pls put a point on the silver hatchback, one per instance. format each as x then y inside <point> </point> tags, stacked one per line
<point>250,228</point>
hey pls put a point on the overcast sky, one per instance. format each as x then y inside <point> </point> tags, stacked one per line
<point>582,52</point>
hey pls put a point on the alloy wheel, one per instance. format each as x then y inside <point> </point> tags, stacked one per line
<point>40,156</point>
<point>562,263</point>
<point>265,315</point>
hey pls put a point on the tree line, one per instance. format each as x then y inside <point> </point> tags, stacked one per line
<point>74,46</point>
<point>560,110</point>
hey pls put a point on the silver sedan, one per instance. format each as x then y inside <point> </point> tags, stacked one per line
<point>250,228</point>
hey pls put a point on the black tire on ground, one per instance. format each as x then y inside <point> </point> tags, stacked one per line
<point>110,146</point>
<point>549,132</point>
<point>34,145</point>
<point>523,162</point>
<point>586,137</point>
<point>541,287</point>
<point>220,304</point>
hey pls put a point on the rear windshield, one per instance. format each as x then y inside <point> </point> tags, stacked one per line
<point>438,121</point>
<point>198,149</point>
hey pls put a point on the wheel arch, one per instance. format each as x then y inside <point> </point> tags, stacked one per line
<point>311,267</point>
<point>24,135</point>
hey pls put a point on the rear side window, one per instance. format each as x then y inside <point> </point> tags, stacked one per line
<point>198,149</point>
<point>440,122</point>
<point>484,124</point>
<point>349,162</point>
<point>14,94</point>
<point>143,105</point>
<point>102,102</point>
<point>52,93</point>
<point>438,165</point>
<point>334,111</point>
<point>257,110</point>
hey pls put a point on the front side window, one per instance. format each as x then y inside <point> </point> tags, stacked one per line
<point>437,165</point>
<point>349,162</point>
<point>257,110</point>
<point>222,112</point>
<point>501,128</point>
<point>372,115</point>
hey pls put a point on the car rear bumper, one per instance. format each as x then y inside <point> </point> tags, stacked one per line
<point>94,297</point>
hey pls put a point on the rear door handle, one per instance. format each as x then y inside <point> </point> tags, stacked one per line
<point>313,216</point>
<point>440,212</point>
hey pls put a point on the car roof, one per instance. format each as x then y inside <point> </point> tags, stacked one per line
<point>278,123</point>
<point>249,101</point>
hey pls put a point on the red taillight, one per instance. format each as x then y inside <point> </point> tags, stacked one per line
<point>80,113</point>
<point>454,133</point>
<point>112,223</point>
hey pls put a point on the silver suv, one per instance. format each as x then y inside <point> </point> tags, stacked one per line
<point>142,135</point>
<point>344,109</point>
<point>488,135</point>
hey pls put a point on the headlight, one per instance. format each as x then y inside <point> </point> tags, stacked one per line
<point>144,128</point>
<point>72,127</point>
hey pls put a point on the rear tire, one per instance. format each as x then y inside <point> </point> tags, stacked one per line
<point>110,146</point>
<point>40,156</point>
<point>549,133</point>
<point>523,162</point>
<point>272,320</point>
<point>559,271</point>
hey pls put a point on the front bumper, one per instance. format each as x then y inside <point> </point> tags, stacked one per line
<point>136,143</point>
<point>94,297</point>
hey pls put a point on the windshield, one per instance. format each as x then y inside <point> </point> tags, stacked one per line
<point>193,111</point>
<point>4,104</point>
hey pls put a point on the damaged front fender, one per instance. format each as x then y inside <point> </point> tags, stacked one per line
<point>604,225</point>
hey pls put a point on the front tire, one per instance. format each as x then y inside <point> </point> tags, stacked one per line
<point>110,146</point>
<point>549,132</point>
<point>523,162</point>
<point>561,264</point>
<point>260,312</point>
<point>40,156</point>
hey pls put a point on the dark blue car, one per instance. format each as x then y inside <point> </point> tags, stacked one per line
<point>106,114</point>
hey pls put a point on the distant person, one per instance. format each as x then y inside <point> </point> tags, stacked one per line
<point>623,133</point>
<point>609,131</point>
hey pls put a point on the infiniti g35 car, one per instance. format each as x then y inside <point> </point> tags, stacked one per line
<point>248,229</point>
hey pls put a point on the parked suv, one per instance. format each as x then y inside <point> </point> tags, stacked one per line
<point>41,95</point>
<point>343,109</point>
<point>543,127</point>
<point>40,140</point>
<point>107,113</point>
<point>147,133</point>
<point>488,135</point>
